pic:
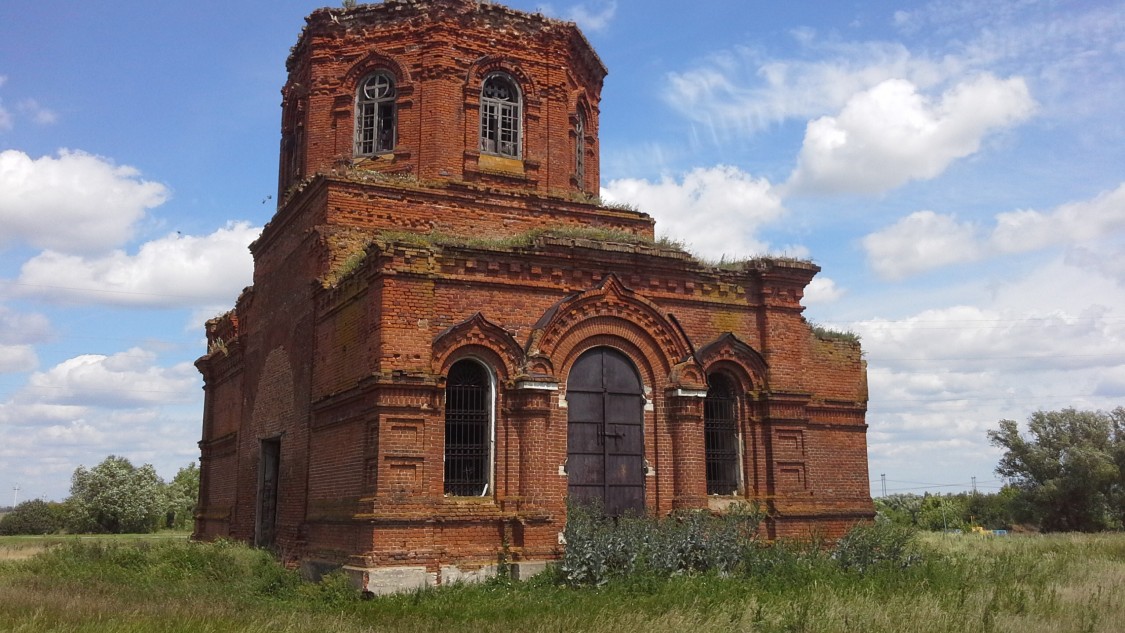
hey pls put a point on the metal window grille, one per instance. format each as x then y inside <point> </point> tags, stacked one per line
<point>468,407</point>
<point>720,429</point>
<point>375,116</point>
<point>500,117</point>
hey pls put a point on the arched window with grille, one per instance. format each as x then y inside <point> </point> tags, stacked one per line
<point>500,116</point>
<point>468,429</point>
<point>375,115</point>
<point>720,429</point>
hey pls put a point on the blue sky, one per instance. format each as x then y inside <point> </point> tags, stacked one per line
<point>956,167</point>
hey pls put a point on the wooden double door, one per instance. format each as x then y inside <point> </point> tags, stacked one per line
<point>605,432</point>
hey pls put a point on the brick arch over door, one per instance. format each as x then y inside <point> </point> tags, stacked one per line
<point>605,432</point>
<point>611,310</point>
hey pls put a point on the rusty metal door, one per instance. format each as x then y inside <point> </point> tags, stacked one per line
<point>605,432</point>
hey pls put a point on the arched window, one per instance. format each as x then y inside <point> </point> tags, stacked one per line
<point>580,149</point>
<point>468,429</point>
<point>720,430</point>
<point>375,115</point>
<point>500,117</point>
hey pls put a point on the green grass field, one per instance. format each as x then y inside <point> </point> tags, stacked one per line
<point>1027,584</point>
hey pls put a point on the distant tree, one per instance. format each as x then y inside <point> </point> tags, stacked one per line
<point>1070,470</point>
<point>115,497</point>
<point>182,493</point>
<point>34,516</point>
<point>900,509</point>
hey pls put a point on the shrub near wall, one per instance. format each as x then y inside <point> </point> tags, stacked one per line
<point>600,549</point>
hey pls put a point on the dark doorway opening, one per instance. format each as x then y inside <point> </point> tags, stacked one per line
<point>269,468</point>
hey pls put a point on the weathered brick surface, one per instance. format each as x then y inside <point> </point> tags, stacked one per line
<point>340,350</point>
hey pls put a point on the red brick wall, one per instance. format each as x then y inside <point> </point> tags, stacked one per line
<point>439,52</point>
<point>340,350</point>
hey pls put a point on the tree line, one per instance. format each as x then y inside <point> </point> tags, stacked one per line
<point>114,497</point>
<point>1067,474</point>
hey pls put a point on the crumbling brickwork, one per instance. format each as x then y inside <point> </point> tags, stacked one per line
<point>329,412</point>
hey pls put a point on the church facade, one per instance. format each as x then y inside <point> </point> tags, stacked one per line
<point>448,335</point>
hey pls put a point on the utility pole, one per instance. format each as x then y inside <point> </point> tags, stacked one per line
<point>16,495</point>
<point>884,478</point>
<point>974,485</point>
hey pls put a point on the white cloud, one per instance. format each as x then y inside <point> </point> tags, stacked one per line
<point>18,333</point>
<point>5,116</point>
<point>173,271</point>
<point>892,134</point>
<point>73,203</point>
<point>1020,231</point>
<point>741,91</point>
<point>17,358</point>
<point>822,290</point>
<point>22,327</point>
<point>38,114</point>
<point>593,19</point>
<point>921,241</point>
<point>925,240</point>
<point>126,379</point>
<point>716,211</point>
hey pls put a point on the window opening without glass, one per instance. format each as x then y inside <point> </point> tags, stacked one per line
<point>375,115</point>
<point>500,117</point>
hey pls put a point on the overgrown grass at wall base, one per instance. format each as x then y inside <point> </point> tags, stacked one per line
<point>960,583</point>
<point>599,549</point>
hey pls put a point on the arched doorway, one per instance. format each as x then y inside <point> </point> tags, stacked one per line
<point>605,432</point>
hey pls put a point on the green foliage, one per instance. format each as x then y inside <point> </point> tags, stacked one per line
<point>115,497</point>
<point>34,517</point>
<point>1071,470</point>
<point>182,493</point>
<point>1034,585</point>
<point>869,545</point>
<point>600,548</point>
<point>828,334</point>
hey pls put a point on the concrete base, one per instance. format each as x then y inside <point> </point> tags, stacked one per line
<point>526,569</point>
<point>385,580</point>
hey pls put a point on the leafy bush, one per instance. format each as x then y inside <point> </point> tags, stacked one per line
<point>116,497</point>
<point>600,548</point>
<point>34,517</point>
<point>868,545</point>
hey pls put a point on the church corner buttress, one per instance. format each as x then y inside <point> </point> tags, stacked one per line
<point>449,335</point>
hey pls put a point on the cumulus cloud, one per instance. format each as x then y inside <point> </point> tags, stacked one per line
<point>822,290</point>
<point>925,240</point>
<point>17,358</point>
<point>716,211</point>
<point>72,203</point>
<point>741,91</point>
<point>1027,230</point>
<point>920,241</point>
<point>596,18</point>
<point>126,379</point>
<point>18,334</point>
<point>173,271</point>
<point>892,134</point>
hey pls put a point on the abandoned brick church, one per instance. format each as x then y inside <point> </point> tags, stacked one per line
<point>448,334</point>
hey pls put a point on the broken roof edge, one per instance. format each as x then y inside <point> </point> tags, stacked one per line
<point>340,15</point>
